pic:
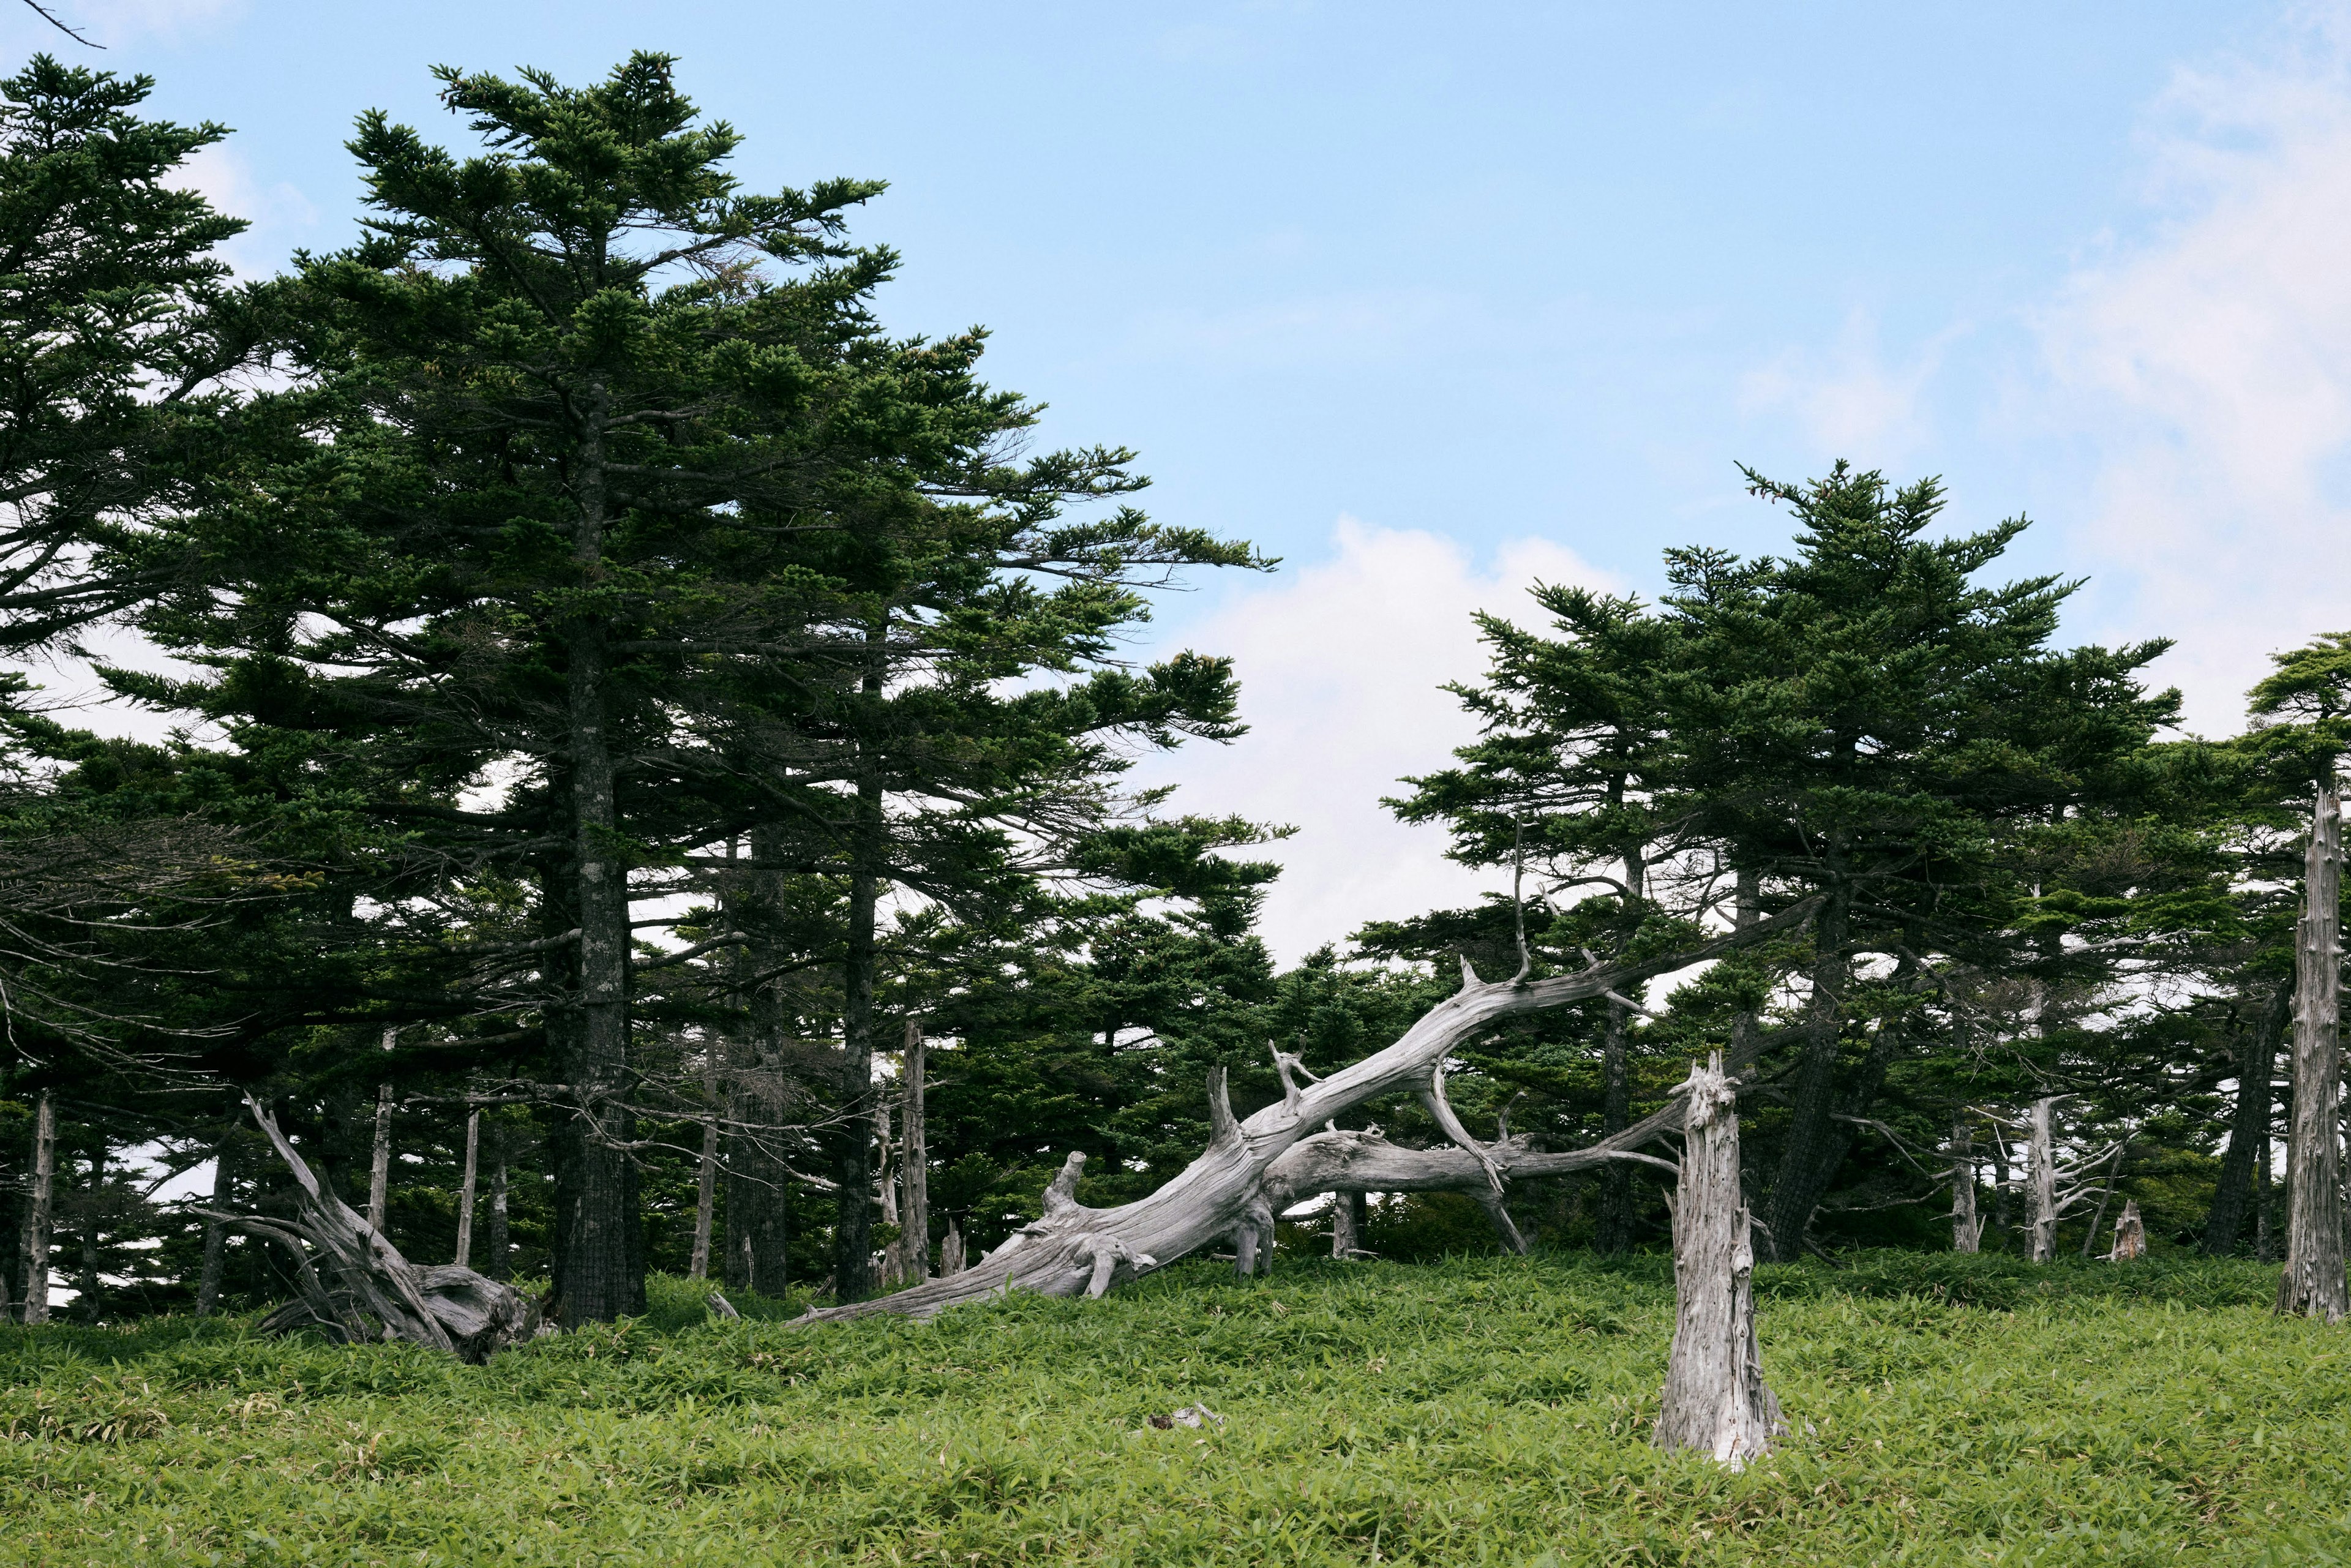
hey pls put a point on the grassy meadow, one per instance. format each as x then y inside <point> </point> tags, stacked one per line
<point>1947,1410</point>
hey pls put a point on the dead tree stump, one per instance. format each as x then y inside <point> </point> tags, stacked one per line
<point>1715,1400</point>
<point>2130,1234</point>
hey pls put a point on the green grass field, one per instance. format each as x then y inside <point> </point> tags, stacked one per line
<point>1947,1410</point>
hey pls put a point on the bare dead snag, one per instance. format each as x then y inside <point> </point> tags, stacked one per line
<point>951,1251</point>
<point>2130,1234</point>
<point>915,1205</point>
<point>1967,1229</point>
<point>2314,1283</point>
<point>446,1308</point>
<point>37,1209</point>
<point>1715,1398</point>
<point>1210,1200</point>
<point>2041,1179</point>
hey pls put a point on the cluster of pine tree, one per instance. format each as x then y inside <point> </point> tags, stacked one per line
<point>646,786</point>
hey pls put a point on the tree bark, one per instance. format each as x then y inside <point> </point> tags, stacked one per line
<point>1074,1249</point>
<point>497,1260</point>
<point>2248,1124</point>
<point>40,1208</point>
<point>2130,1235</point>
<point>852,1266</point>
<point>442,1307</point>
<point>208,1282</point>
<point>2314,1283</point>
<point>1347,1225</point>
<point>2041,1180</point>
<point>380,1165</point>
<point>1967,1230</point>
<point>1715,1400</point>
<point>599,1268</point>
<point>914,1204</point>
<point>466,1190</point>
<point>757,1185</point>
<point>1796,1189</point>
<point>705,1200</point>
<point>86,1281</point>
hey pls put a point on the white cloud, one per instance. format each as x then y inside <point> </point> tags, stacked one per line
<point>1851,401</point>
<point>225,177</point>
<point>1339,666</point>
<point>2211,367</point>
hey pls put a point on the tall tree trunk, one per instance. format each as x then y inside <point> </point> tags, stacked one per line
<point>599,1269</point>
<point>914,1206</point>
<point>1967,1230</point>
<point>853,1247</point>
<point>39,1209</point>
<point>1796,1189</point>
<point>2041,1180</point>
<point>86,1281</point>
<point>2314,1282</point>
<point>498,1267</point>
<point>467,1189</point>
<point>380,1165</point>
<point>2249,1126</point>
<point>757,1250</point>
<point>1715,1400</point>
<point>208,1282</point>
<point>705,1200</point>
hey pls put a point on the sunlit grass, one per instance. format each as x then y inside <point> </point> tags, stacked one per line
<point>1947,1410</point>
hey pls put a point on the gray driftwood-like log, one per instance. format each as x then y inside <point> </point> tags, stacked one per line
<point>1074,1249</point>
<point>2314,1283</point>
<point>1715,1398</point>
<point>376,1293</point>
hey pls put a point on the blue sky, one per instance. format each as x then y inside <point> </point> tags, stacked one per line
<point>1431,300</point>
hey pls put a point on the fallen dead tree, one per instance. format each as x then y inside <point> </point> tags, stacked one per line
<point>1224,1194</point>
<point>368,1291</point>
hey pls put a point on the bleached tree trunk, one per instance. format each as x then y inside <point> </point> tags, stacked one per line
<point>1073,1248</point>
<point>498,1251</point>
<point>443,1308</point>
<point>914,1206</point>
<point>1347,1225</point>
<point>1967,1230</point>
<point>951,1253</point>
<point>2314,1283</point>
<point>1715,1400</point>
<point>39,1209</point>
<point>2041,1179</point>
<point>468,1188</point>
<point>379,1166</point>
<point>706,1201</point>
<point>2130,1234</point>
<point>208,1282</point>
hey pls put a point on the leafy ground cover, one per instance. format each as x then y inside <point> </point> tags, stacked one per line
<point>1947,1410</point>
